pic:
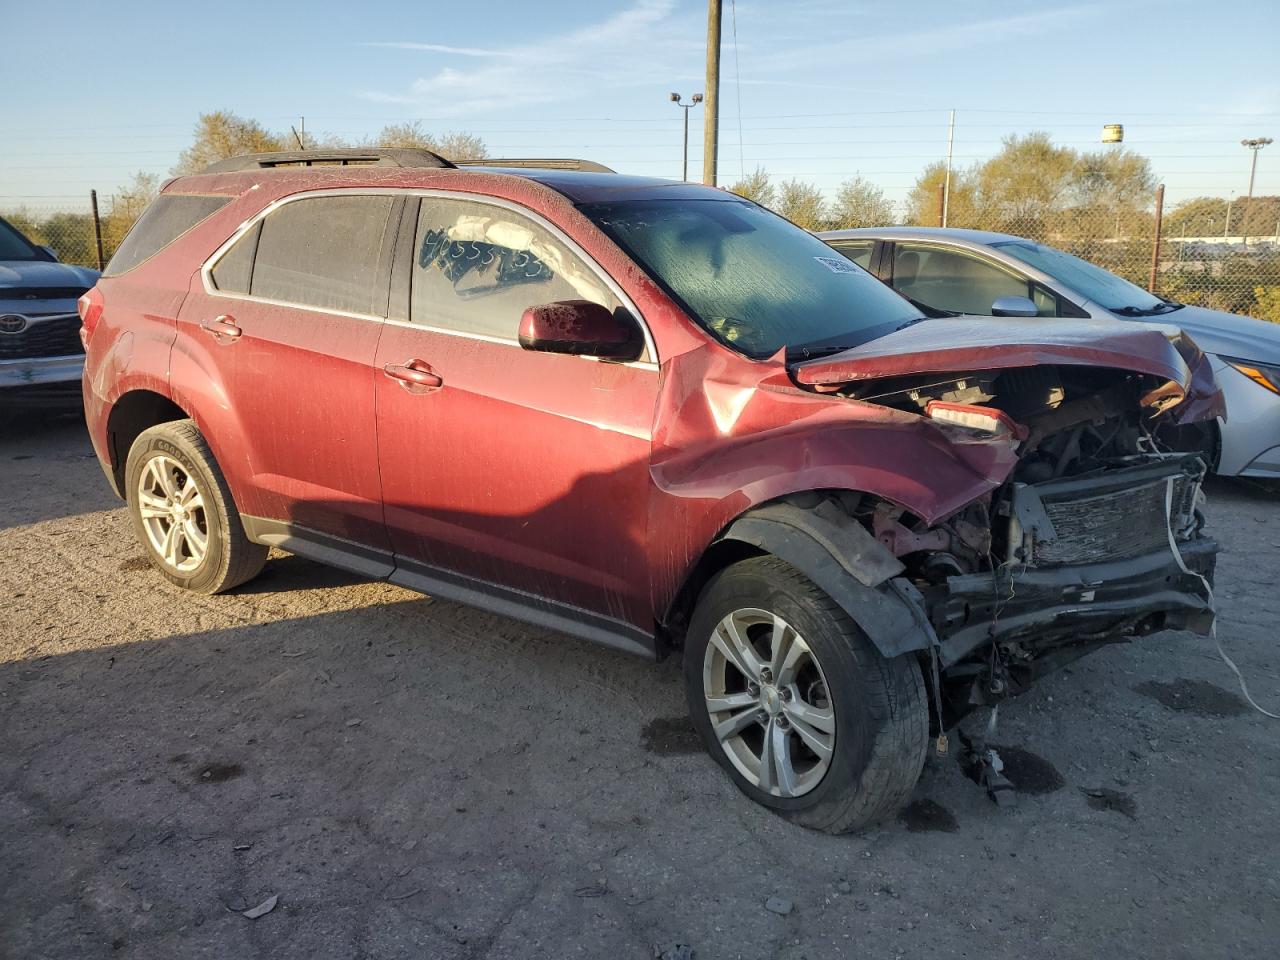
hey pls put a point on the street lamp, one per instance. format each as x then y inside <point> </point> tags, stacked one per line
<point>1256,144</point>
<point>693,102</point>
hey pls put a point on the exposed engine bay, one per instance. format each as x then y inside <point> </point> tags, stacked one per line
<point>1095,537</point>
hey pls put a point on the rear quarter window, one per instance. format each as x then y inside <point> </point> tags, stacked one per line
<point>168,217</point>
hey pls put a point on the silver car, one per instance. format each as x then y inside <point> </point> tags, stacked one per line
<point>994,274</point>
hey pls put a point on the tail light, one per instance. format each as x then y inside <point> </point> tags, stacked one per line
<point>90,309</point>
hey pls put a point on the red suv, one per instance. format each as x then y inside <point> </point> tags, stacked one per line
<point>655,415</point>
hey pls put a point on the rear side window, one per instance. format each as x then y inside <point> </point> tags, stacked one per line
<point>169,217</point>
<point>859,251</point>
<point>320,252</point>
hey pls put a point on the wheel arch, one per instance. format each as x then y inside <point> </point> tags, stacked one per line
<point>816,534</point>
<point>132,413</point>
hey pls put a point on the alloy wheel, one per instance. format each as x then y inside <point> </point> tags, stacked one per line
<point>173,514</point>
<point>769,703</point>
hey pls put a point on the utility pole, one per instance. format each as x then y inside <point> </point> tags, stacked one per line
<point>711,112</point>
<point>1227,226</point>
<point>693,102</point>
<point>1256,144</point>
<point>946,184</point>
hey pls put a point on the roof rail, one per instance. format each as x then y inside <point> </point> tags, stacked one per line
<point>538,163</point>
<point>373,156</point>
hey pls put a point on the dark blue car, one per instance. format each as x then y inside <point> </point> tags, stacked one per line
<point>41,356</point>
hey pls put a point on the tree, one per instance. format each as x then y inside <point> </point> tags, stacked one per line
<point>1198,217</point>
<point>1268,303</point>
<point>801,203</point>
<point>222,134</point>
<point>451,146</point>
<point>756,186</point>
<point>1025,183</point>
<point>860,204</point>
<point>924,202</point>
<point>1113,178</point>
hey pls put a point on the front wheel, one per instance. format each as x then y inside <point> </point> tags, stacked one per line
<point>183,512</point>
<point>797,704</point>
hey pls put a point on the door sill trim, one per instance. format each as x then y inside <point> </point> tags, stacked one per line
<point>424,578</point>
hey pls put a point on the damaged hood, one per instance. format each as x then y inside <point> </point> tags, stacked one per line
<point>964,344</point>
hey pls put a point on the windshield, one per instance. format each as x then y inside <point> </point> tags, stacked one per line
<point>1103,288</point>
<point>753,279</point>
<point>14,246</point>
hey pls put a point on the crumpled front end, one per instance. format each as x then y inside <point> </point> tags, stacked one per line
<point>1096,535</point>
<point>1100,556</point>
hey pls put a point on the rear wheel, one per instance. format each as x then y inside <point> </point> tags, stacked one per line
<point>183,512</point>
<point>796,703</point>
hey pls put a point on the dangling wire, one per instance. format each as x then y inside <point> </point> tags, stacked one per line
<point>737,87</point>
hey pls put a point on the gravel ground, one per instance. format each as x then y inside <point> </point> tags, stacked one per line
<point>412,778</point>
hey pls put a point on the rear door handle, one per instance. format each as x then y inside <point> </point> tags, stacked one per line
<point>223,329</point>
<point>414,375</point>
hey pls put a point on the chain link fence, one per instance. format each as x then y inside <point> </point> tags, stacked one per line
<point>66,229</point>
<point>1214,253</point>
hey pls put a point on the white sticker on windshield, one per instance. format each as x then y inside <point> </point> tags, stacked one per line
<point>837,264</point>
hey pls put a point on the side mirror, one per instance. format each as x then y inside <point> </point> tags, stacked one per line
<point>1014,307</point>
<point>48,251</point>
<point>579,327</point>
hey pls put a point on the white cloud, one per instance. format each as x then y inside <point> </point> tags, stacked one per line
<point>436,48</point>
<point>644,44</point>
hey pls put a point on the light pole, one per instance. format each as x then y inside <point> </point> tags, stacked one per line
<point>693,102</point>
<point>1254,145</point>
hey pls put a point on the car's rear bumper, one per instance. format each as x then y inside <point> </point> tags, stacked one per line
<point>41,380</point>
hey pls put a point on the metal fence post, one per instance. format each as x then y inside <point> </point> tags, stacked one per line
<point>97,226</point>
<point>1155,244</point>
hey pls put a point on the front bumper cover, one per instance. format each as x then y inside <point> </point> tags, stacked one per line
<point>41,379</point>
<point>1080,603</point>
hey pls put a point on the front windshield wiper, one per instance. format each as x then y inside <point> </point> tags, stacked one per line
<point>812,353</point>
<point>1165,306</point>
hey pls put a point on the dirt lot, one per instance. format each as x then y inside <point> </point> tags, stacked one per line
<point>416,779</point>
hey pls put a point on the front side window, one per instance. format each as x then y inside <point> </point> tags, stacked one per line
<point>754,280</point>
<point>323,252</point>
<point>948,279</point>
<point>477,268</point>
<point>1098,285</point>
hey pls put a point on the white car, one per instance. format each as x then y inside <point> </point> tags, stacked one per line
<point>995,274</point>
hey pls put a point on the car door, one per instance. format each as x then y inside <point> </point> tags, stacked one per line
<point>281,333</point>
<point>520,478</point>
<point>946,277</point>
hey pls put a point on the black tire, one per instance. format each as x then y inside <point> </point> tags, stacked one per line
<point>231,558</point>
<point>880,708</point>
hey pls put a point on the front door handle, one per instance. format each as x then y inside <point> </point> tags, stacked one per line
<point>414,375</point>
<point>223,329</point>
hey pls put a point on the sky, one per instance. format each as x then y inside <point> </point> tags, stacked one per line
<point>814,89</point>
